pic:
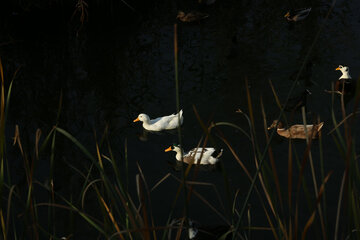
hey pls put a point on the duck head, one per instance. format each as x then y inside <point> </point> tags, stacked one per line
<point>181,14</point>
<point>142,117</point>
<point>174,147</point>
<point>287,15</point>
<point>344,70</point>
<point>273,125</point>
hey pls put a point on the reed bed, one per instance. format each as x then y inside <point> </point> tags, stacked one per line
<point>293,207</point>
<point>121,216</point>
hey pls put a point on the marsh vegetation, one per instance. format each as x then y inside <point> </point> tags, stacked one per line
<point>75,76</point>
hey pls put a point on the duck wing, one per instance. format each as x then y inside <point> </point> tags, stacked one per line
<point>196,16</point>
<point>166,122</point>
<point>207,151</point>
<point>206,155</point>
<point>301,14</point>
<point>174,122</point>
<point>196,153</point>
<point>302,11</point>
<point>298,131</point>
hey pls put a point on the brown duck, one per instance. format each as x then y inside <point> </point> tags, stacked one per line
<point>192,16</point>
<point>297,130</point>
<point>297,15</point>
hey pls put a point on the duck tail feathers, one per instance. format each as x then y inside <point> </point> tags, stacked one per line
<point>220,153</point>
<point>181,116</point>
<point>320,125</point>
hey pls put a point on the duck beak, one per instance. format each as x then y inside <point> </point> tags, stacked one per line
<point>337,68</point>
<point>287,14</point>
<point>136,120</point>
<point>168,149</point>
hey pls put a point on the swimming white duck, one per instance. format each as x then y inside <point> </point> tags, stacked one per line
<point>160,123</point>
<point>297,130</point>
<point>193,155</point>
<point>297,15</point>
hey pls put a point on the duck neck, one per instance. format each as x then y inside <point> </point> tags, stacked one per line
<point>280,130</point>
<point>179,152</point>
<point>345,75</point>
<point>146,122</point>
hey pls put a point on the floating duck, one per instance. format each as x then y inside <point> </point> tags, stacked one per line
<point>344,84</point>
<point>295,103</point>
<point>193,155</point>
<point>297,15</point>
<point>198,231</point>
<point>161,123</point>
<point>298,130</point>
<point>191,16</point>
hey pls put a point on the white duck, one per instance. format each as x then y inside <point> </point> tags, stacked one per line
<point>160,123</point>
<point>344,83</point>
<point>193,155</point>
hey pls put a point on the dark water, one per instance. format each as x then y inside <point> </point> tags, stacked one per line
<point>115,67</point>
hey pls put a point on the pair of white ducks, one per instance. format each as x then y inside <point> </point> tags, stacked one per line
<point>203,156</point>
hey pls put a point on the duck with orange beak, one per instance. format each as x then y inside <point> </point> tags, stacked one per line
<point>161,123</point>
<point>344,84</point>
<point>203,156</point>
<point>297,15</point>
<point>193,16</point>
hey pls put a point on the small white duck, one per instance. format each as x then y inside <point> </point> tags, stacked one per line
<point>193,155</point>
<point>344,83</point>
<point>160,123</point>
